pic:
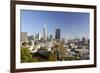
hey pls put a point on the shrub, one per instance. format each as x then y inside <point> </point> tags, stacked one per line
<point>26,55</point>
<point>69,58</point>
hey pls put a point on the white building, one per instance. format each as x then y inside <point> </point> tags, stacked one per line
<point>24,37</point>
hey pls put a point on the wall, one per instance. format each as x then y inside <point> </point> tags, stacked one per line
<point>5,36</point>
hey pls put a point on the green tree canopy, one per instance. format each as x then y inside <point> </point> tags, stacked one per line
<point>26,55</point>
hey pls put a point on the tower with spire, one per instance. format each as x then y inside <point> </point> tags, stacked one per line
<point>45,32</point>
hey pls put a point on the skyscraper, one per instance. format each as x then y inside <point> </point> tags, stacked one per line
<point>37,36</point>
<point>57,34</point>
<point>45,32</point>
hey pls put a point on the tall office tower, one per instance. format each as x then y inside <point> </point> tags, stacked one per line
<point>51,37</point>
<point>57,34</point>
<point>37,36</point>
<point>24,37</point>
<point>45,32</point>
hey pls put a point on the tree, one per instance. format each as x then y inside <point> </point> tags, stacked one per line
<point>26,56</point>
<point>52,57</point>
<point>60,51</point>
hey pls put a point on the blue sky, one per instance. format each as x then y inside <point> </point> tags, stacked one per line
<point>71,24</point>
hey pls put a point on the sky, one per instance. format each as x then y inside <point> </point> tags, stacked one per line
<point>71,24</point>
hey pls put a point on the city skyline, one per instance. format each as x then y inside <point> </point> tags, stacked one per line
<point>71,24</point>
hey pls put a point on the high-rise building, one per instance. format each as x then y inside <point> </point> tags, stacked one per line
<point>51,37</point>
<point>63,40</point>
<point>57,34</point>
<point>45,32</point>
<point>24,37</point>
<point>37,36</point>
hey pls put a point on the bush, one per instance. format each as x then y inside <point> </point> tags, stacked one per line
<point>26,56</point>
<point>52,57</point>
<point>69,58</point>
